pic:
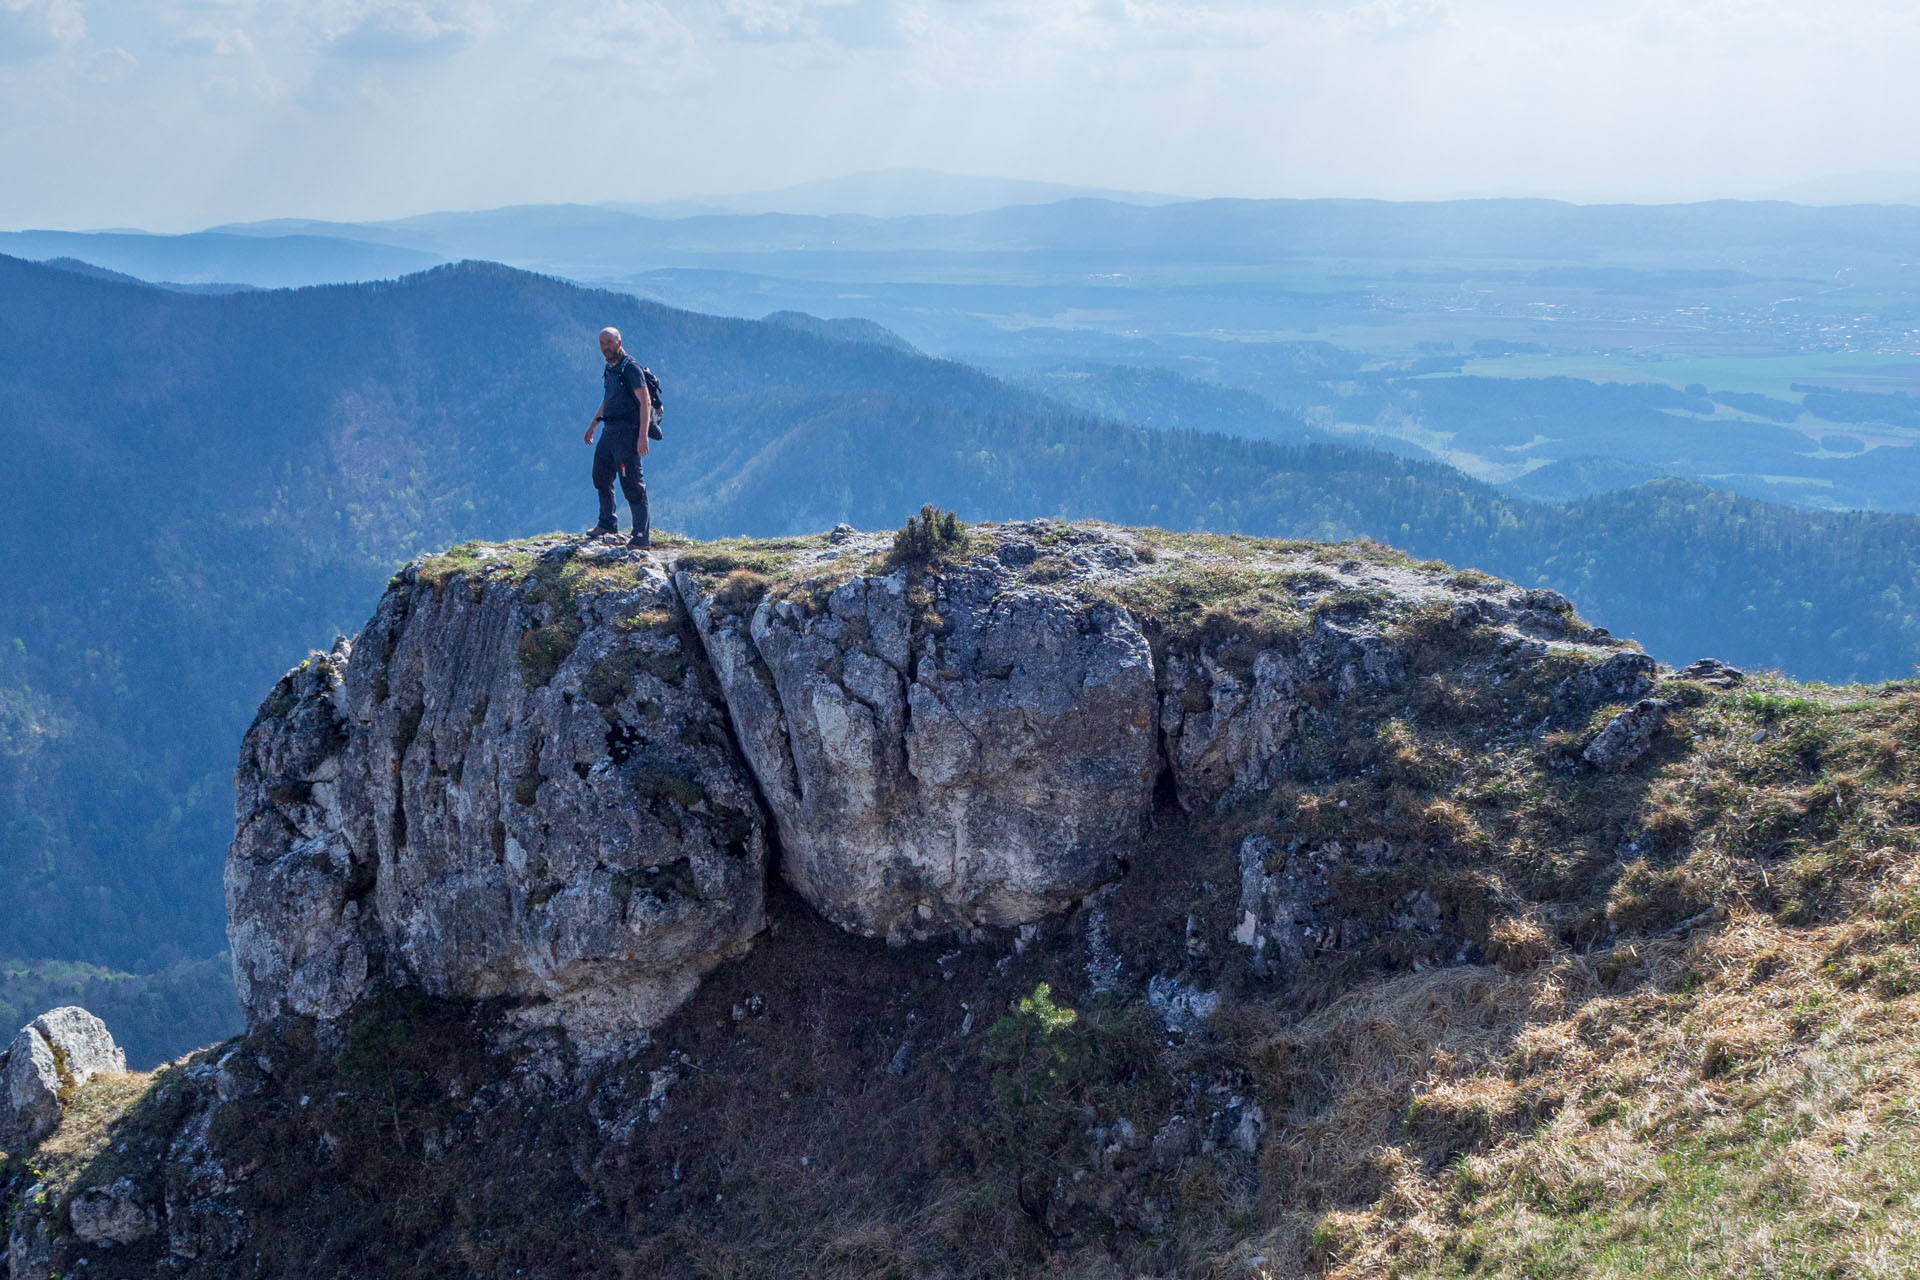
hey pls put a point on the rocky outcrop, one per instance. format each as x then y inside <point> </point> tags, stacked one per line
<point>558,773</point>
<point>1622,678</point>
<point>110,1215</point>
<point>968,750</point>
<point>1712,672</point>
<point>44,1066</point>
<point>483,851</point>
<point>1291,909</point>
<point>301,866</point>
<point>520,787</point>
<point>1231,732</point>
<point>1627,736</point>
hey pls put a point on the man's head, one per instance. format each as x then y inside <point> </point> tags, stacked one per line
<point>610,343</point>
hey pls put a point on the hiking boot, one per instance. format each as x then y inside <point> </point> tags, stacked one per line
<point>604,531</point>
<point>640,541</point>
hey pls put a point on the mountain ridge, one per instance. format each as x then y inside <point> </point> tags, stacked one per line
<point>419,413</point>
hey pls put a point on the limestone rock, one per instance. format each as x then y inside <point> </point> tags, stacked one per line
<point>1710,671</point>
<point>110,1215</point>
<point>982,755</point>
<point>1544,612</point>
<point>1623,677</point>
<point>1296,903</point>
<point>1538,614</point>
<point>301,866</point>
<point>1231,732</point>
<point>1176,1142</point>
<point>521,786</point>
<point>32,1235</point>
<point>48,1060</point>
<point>1240,1126</point>
<point>1283,912</point>
<point>202,1222</point>
<point>1626,737</point>
<point>1183,1007</point>
<point>551,774</point>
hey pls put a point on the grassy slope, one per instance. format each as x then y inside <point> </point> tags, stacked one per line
<point>1733,1098</point>
<point>1680,1042</point>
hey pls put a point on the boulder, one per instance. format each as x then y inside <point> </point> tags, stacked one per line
<point>111,1215</point>
<point>43,1067</point>
<point>1542,612</point>
<point>1626,737</point>
<point>1623,677</point>
<point>1710,671</point>
<point>964,749</point>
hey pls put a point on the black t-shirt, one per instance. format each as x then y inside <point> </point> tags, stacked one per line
<point>621,381</point>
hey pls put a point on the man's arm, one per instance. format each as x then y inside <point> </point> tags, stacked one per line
<point>592,425</point>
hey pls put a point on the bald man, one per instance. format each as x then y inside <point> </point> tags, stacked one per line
<point>626,407</point>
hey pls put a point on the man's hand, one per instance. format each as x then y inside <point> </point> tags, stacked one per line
<point>591,426</point>
<point>640,450</point>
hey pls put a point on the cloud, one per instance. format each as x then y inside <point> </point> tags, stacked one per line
<point>104,66</point>
<point>386,29</point>
<point>862,24</point>
<point>32,28</point>
<point>219,41</point>
<point>631,33</point>
<point>850,24</point>
<point>359,107</point>
<point>765,19</point>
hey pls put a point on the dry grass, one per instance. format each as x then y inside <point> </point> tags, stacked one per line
<point>1709,1125</point>
<point>1734,1097</point>
<point>87,1126</point>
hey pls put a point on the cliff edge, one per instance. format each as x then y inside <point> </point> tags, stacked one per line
<point>557,773</point>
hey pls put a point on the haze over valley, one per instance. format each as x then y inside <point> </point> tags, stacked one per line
<point>1767,349</point>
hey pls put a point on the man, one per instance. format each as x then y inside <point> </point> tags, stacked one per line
<point>626,407</point>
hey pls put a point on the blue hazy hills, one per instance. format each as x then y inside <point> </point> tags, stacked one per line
<point>1557,350</point>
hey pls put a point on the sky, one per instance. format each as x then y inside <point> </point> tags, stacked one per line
<point>177,114</point>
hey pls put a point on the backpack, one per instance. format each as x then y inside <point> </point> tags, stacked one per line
<point>659,407</point>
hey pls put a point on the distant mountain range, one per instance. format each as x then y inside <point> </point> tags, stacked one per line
<point>1870,187</point>
<point>215,257</point>
<point>892,193</point>
<point>595,241</point>
<point>587,240</point>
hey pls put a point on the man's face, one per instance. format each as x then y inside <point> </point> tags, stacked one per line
<point>609,345</point>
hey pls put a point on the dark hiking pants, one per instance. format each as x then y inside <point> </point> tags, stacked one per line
<point>617,456</point>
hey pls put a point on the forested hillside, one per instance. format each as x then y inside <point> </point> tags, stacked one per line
<point>199,488</point>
